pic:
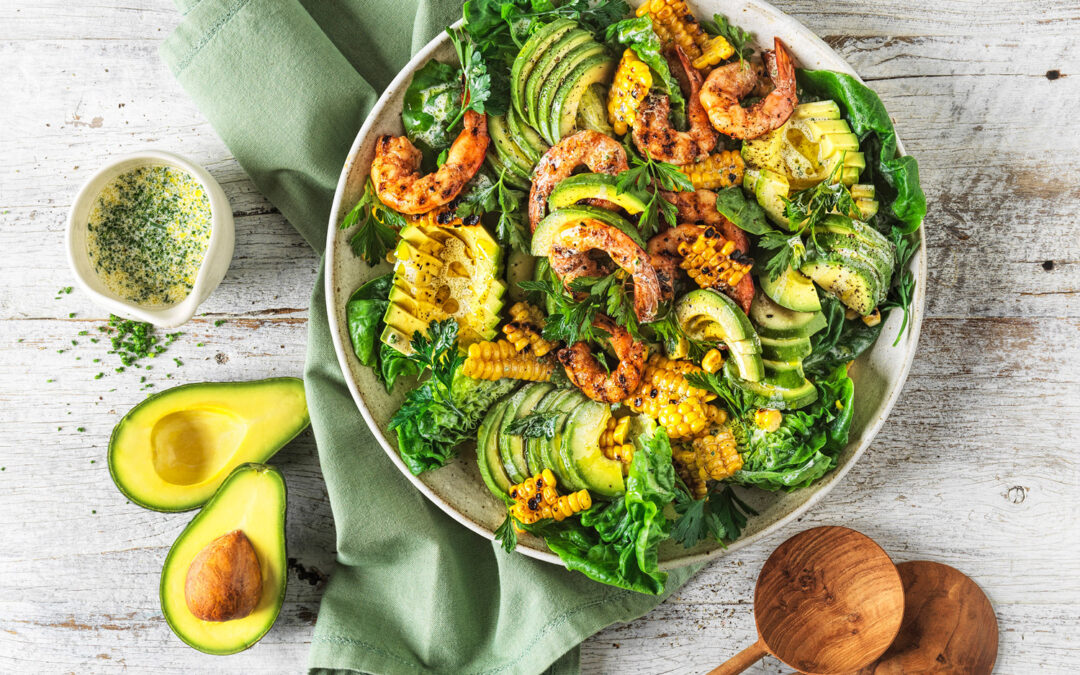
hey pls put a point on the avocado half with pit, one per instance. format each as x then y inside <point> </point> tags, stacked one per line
<point>223,581</point>
<point>172,451</point>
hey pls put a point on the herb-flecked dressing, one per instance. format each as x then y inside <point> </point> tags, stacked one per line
<point>148,233</point>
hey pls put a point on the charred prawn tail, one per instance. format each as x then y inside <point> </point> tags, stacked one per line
<point>596,381</point>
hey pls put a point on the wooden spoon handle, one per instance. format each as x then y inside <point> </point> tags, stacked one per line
<point>741,661</point>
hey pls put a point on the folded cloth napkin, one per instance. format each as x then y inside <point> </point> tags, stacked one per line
<point>287,84</point>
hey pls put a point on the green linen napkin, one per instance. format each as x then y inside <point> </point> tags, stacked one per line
<point>287,84</point>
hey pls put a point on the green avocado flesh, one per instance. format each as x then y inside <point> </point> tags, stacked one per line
<point>571,190</point>
<point>172,451</point>
<point>528,57</point>
<point>556,221</point>
<point>581,450</point>
<point>775,321</point>
<point>252,500</point>
<point>487,452</point>
<point>512,446</point>
<point>792,289</point>
<point>714,317</point>
<point>547,64</point>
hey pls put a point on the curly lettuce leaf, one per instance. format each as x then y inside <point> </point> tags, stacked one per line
<point>805,446</point>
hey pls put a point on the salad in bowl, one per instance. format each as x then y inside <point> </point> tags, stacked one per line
<point>633,258</point>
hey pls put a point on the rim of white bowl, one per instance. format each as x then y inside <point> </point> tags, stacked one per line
<point>220,246</point>
<point>787,26</point>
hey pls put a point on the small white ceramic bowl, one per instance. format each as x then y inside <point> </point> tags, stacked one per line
<point>214,265</point>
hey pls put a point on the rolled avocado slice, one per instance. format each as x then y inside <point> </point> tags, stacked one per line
<point>564,471</point>
<point>534,450</point>
<point>792,289</point>
<point>487,452</point>
<point>596,70</point>
<point>556,221</point>
<point>546,64</point>
<point>229,564</point>
<point>775,396</point>
<point>574,189</point>
<point>530,54</point>
<point>172,451</point>
<point>581,449</point>
<point>707,315</point>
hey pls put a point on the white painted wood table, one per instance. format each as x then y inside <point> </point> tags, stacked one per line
<point>976,468</point>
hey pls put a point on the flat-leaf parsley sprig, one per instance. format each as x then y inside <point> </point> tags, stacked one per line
<point>379,225</point>
<point>648,176</point>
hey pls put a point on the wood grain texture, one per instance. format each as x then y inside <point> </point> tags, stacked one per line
<point>976,467</point>
<point>949,625</point>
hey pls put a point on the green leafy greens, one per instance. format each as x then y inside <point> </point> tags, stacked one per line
<point>739,39</point>
<point>719,516</point>
<point>535,425</point>
<point>572,320</point>
<point>647,176</point>
<point>379,225</point>
<point>432,102</point>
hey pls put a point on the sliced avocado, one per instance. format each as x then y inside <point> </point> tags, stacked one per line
<point>530,53</point>
<point>851,247</point>
<point>505,147</point>
<point>785,374</point>
<point>515,176</point>
<point>251,500</point>
<point>765,152</point>
<point>770,189</point>
<point>786,349</point>
<point>705,314</point>
<point>443,273</point>
<point>534,454</point>
<point>556,221</point>
<point>844,225</point>
<point>512,446</point>
<point>595,70</point>
<point>564,471</point>
<point>865,196</point>
<point>792,289</point>
<point>854,282</point>
<point>775,321</point>
<point>780,398</point>
<point>581,449</point>
<point>487,452</point>
<point>545,65</point>
<point>574,189</point>
<point>173,450</point>
<point>546,121</point>
<point>526,138</point>
<point>592,112</point>
<point>820,110</point>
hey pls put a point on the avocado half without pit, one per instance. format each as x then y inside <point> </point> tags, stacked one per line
<point>172,451</point>
<point>223,581</point>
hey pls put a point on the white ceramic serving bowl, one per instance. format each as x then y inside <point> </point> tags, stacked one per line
<point>458,489</point>
<point>214,265</point>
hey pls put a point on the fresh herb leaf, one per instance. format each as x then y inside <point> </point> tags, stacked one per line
<point>740,402</point>
<point>506,534</point>
<point>614,298</point>
<point>379,226</point>
<point>508,203</point>
<point>806,209</point>
<point>670,333</point>
<point>482,93</point>
<point>535,425</point>
<point>647,177</point>
<point>788,249</point>
<point>738,38</point>
<point>572,320</point>
<point>720,516</point>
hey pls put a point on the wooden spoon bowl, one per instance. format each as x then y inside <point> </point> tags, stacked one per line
<point>828,601</point>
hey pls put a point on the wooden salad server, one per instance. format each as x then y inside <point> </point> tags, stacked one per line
<point>827,601</point>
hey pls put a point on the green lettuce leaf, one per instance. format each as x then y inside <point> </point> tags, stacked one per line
<point>805,446</point>
<point>868,117</point>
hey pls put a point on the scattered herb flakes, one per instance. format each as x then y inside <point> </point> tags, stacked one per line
<point>220,322</point>
<point>93,461</point>
<point>71,315</point>
<point>178,362</point>
<point>50,380</point>
<point>80,429</point>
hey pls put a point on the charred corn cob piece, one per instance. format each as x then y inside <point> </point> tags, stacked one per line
<point>873,318</point>
<point>525,330</point>
<point>685,419</point>
<point>633,79</point>
<point>712,361</point>
<point>712,261</point>
<point>536,499</point>
<point>613,443</point>
<point>717,415</point>
<point>714,51</point>
<point>496,360</point>
<point>768,419</point>
<point>685,461</point>
<point>718,170</point>
<point>674,24</point>
<point>717,454</point>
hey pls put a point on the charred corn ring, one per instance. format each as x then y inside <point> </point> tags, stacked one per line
<point>768,419</point>
<point>673,23</point>
<point>718,454</point>
<point>633,79</point>
<point>712,261</point>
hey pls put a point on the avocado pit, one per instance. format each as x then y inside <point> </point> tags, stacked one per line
<point>224,581</point>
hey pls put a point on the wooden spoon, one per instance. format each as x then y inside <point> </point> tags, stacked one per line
<point>949,625</point>
<point>828,601</point>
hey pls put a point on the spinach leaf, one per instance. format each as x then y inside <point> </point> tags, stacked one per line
<point>747,214</point>
<point>393,364</point>
<point>431,102</point>
<point>841,341</point>
<point>363,314</point>
<point>805,446</point>
<point>867,116</point>
<point>616,542</point>
<point>638,34</point>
